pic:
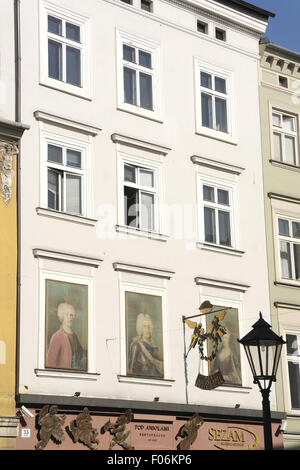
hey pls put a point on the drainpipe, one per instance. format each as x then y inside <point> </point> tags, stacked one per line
<point>17,39</point>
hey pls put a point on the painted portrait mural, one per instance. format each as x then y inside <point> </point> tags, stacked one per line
<point>228,360</point>
<point>66,325</point>
<point>144,335</point>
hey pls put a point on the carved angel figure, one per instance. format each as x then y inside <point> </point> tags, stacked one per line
<point>8,150</point>
<point>189,431</point>
<point>117,431</point>
<point>83,430</point>
<point>51,425</point>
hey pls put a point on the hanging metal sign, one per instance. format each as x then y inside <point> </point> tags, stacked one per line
<point>199,336</point>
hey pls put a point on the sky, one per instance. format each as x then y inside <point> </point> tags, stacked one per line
<point>284,28</point>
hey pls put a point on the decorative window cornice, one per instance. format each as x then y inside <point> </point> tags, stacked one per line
<point>134,142</point>
<point>66,257</point>
<point>67,123</point>
<point>143,270</point>
<point>216,165</point>
<point>202,281</point>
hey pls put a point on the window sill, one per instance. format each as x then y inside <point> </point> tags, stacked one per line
<point>287,166</point>
<point>212,134</point>
<point>145,380</point>
<point>79,219</point>
<point>286,283</point>
<point>70,374</point>
<point>141,233</point>
<point>233,389</point>
<point>136,111</point>
<point>66,88</point>
<point>219,249</point>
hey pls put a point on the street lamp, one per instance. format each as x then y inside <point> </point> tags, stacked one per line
<point>263,349</point>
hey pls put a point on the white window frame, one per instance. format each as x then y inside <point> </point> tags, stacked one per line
<point>64,142</point>
<point>144,289</point>
<point>285,360</point>
<point>47,8</point>
<point>217,183</point>
<point>292,241</point>
<point>127,159</point>
<point>152,48</point>
<point>227,75</point>
<point>283,132</point>
<point>46,274</point>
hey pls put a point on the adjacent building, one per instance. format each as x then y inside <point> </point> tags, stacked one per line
<point>142,198</point>
<point>280,108</point>
<point>11,130</point>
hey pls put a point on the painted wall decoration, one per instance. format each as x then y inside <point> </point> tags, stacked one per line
<point>227,360</point>
<point>144,335</point>
<point>66,325</point>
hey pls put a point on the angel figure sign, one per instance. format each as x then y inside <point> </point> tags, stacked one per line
<point>214,336</point>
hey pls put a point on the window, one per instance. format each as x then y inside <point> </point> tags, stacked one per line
<point>283,81</point>
<point>64,51</point>
<point>137,76</point>
<point>147,5</point>
<point>293,362</point>
<point>289,244</point>
<point>202,27</point>
<point>220,34</point>
<point>64,44</point>
<point>284,130</point>
<point>214,101</point>
<point>65,179</point>
<point>140,194</point>
<point>217,214</point>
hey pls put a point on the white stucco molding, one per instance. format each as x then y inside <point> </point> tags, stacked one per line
<point>217,165</point>
<point>138,143</point>
<point>66,257</point>
<point>287,305</point>
<point>283,197</point>
<point>67,123</point>
<point>143,270</point>
<point>147,381</point>
<point>79,219</point>
<point>203,281</point>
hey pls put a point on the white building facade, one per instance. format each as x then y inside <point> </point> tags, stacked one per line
<point>142,197</point>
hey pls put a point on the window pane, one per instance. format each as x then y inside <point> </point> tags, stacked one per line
<point>224,228</point>
<point>220,84</point>
<point>73,66</point>
<point>294,378</point>
<point>131,201</point>
<point>146,100</point>
<point>145,59</point>
<point>285,257</point>
<point>283,227</point>
<point>73,158</point>
<point>297,260</point>
<point>290,150</point>
<point>296,229</point>
<point>73,32</point>
<point>206,108</point>
<point>288,123</point>
<point>209,225</point>
<point>73,193</point>
<point>208,193</point>
<point>146,178</point>
<point>129,86</point>
<point>55,154</point>
<point>147,209</point>
<point>130,174</point>
<point>206,80</point>
<point>146,5</point>
<point>277,146</point>
<point>53,190</point>
<point>223,197</point>
<point>54,25</point>
<point>276,120</point>
<point>128,53</point>
<point>292,345</point>
<point>55,59</point>
<point>221,115</point>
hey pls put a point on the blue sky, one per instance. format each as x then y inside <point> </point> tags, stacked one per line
<point>284,28</point>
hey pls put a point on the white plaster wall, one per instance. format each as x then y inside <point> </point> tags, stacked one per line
<point>7,61</point>
<point>177,131</point>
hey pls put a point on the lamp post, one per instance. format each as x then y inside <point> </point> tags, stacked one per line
<point>263,349</point>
